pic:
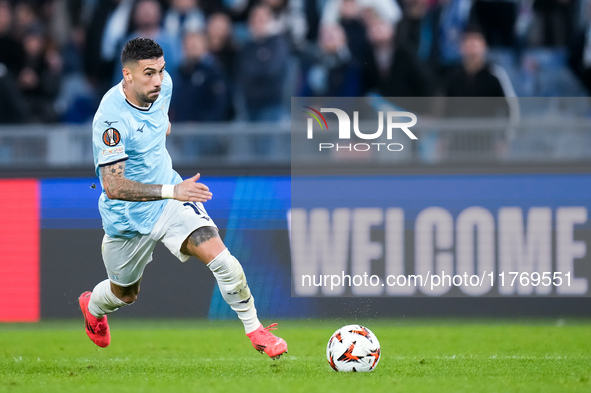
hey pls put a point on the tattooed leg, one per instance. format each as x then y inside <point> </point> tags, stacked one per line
<point>202,235</point>
<point>204,243</point>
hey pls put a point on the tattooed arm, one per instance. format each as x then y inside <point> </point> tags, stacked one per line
<point>117,186</point>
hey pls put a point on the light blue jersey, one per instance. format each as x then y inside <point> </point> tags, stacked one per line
<point>122,131</point>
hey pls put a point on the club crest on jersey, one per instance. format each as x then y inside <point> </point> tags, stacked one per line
<point>111,137</point>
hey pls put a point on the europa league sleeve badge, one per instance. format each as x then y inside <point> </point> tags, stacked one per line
<point>111,137</point>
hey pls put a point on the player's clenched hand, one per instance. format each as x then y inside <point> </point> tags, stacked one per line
<point>190,190</point>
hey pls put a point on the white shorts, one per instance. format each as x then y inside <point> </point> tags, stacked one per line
<point>126,259</point>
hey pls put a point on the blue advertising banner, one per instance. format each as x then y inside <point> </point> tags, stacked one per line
<point>238,203</point>
<point>317,246</point>
<point>445,235</point>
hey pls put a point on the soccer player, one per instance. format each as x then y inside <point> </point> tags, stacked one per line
<point>145,201</point>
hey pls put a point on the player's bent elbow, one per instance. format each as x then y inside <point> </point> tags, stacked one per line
<point>112,188</point>
<point>112,194</point>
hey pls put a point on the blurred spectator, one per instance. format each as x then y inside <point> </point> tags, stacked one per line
<point>388,10</point>
<point>497,19</point>
<point>221,42</point>
<point>262,68</point>
<point>108,25</point>
<point>11,62</point>
<point>579,58</point>
<point>72,51</point>
<point>77,100</point>
<point>312,10</point>
<point>11,50</point>
<point>12,104</point>
<point>201,92</point>
<point>210,7</point>
<point>288,19</point>
<point>351,19</point>
<point>26,17</point>
<point>393,70</point>
<point>278,8</point>
<point>333,72</point>
<point>146,22</point>
<point>476,76</point>
<point>201,95</point>
<point>237,10</point>
<point>60,16</point>
<point>39,80</point>
<point>410,29</point>
<point>553,22</point>
<point>183,16</point>
<point>223,49</point>
<point>451,17</point>
<point>434,33</point>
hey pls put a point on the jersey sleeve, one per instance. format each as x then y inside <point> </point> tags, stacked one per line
<point>109,135</point>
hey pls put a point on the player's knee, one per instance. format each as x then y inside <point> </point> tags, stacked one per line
<point>127,294</point>
<point>129,298</point>
<point>204,243</point>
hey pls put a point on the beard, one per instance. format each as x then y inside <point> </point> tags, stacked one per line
<point>149,98</point>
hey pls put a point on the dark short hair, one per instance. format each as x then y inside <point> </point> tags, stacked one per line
<point>474,29</point>
<point>140,48</point>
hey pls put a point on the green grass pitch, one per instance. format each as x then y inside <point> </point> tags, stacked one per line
<point>437,355</point>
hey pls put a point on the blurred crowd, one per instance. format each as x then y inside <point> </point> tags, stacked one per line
<point>243,59</point>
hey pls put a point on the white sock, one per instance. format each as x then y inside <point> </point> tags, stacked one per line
<point>103,301</point>
<point>234,288</point>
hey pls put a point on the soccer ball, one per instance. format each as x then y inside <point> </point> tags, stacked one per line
<point>353,348</point>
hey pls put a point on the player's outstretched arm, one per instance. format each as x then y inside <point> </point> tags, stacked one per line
<point>117,186</point>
